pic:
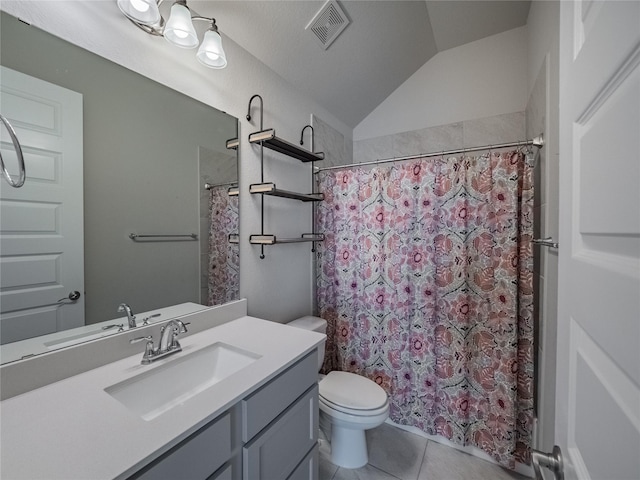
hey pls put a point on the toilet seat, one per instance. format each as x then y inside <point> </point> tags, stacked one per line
<point>333,409</point>
<point>352,394</point>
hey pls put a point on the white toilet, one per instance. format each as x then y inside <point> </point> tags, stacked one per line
<point>350,403</point>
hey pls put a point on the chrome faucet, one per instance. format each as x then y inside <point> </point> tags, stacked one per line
<point>168,343</point>
<point>169,335</point>
<point>123,307</point>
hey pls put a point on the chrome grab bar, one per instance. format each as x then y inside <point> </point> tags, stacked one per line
<point>552,461</point>
<point>16,144</point>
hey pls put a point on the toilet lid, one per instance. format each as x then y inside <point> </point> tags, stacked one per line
<point>352,391</point>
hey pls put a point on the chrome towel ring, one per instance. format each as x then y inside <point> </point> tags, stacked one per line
<point>16,144</point>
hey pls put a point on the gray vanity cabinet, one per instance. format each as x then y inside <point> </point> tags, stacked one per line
<point>280,423</point>
<point>271,434</point>
<point>197,457</point>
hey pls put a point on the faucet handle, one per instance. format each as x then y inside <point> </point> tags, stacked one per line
<point>183,326</point>
<point>114,325</point>
<point>139,339</point>
<point>177,327</point>
<point>148,349</point>
<point>145,320</point>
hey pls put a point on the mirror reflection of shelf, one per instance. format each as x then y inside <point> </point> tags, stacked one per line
<point>272,240</point>
<point>268,139</point>
<point>232,143</point>
<point>234,191</point>
<point>269,188</point>
<point>234,238</point>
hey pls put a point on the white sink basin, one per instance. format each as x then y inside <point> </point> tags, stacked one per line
<point>152,393</point>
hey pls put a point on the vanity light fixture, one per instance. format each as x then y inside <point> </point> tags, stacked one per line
<point>178,29</point>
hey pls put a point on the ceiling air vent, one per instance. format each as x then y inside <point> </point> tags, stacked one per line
<point>328,23</point>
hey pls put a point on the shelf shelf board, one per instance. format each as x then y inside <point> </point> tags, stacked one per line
<point>232,143</point>
<point>272,240</point>
<point>269,188</point>
<point>270,141</point>
<point>233,192</point>
<point>234,238</point>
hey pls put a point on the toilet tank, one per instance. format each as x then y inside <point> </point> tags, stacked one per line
<point>315,324</point>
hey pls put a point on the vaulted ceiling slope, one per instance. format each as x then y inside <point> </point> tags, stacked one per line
<point>385,43</point>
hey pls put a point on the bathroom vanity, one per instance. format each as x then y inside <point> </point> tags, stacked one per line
<point>119,421</point>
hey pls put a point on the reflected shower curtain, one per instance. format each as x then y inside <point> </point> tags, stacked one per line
<point>425,279</point>
<point>224,257</point>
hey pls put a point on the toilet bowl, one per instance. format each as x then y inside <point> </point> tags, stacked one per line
<point>350,403</point>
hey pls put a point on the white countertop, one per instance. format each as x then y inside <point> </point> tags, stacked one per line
<point>74,429</point>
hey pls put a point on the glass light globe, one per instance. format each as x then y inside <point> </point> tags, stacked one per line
<point>179,30</point>
<point>141,11</point>
<point>211,53</point>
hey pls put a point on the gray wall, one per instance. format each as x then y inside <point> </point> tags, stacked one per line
<point>141,143</point>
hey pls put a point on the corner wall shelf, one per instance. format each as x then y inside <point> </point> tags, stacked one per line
<point>270,141</point>
<point>269,188</point>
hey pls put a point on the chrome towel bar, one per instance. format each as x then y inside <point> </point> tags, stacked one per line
<point>160,237</point>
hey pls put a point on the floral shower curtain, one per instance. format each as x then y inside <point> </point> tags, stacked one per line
<point>224,257</point>
<point>425,279</point>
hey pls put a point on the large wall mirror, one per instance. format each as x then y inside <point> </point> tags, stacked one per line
<point>153,162</point>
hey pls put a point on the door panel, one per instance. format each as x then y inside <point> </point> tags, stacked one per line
<point>41,223</point>
<point>598,358</point>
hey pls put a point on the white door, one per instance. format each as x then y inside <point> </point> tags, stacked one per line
<point>598,369</point>
<point>41,223</point>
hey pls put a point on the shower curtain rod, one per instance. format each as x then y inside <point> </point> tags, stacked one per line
<point>536,142</point>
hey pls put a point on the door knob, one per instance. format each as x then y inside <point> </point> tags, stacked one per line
<point>552,461</point>
<point>72,298</point>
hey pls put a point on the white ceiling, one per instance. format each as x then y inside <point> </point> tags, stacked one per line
<point>386,42</point>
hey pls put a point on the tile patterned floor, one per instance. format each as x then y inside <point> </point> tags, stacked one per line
<point>395,454</point>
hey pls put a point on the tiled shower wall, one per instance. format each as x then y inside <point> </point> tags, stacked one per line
<point>339,150</point>
<point>466,134</point>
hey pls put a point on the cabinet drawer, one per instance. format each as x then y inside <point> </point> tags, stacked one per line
<point>278,450</point>
<point>196,457</point>
<point>308,468</point>
<point>261,407</point>
<point>223,474</point>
